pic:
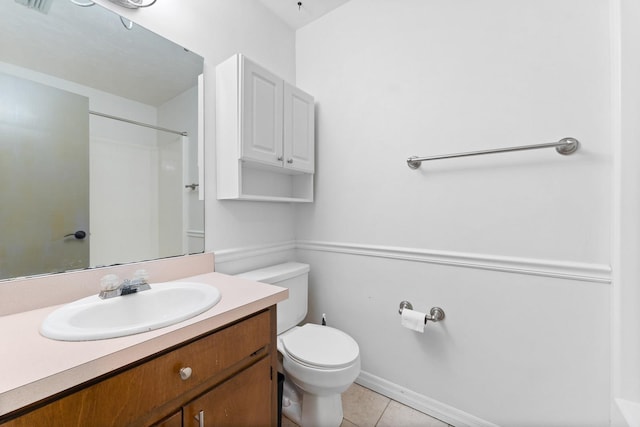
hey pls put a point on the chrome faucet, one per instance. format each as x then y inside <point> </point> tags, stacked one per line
<point>110,286</point>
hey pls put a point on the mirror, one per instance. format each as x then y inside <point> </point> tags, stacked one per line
<point>98,141</point>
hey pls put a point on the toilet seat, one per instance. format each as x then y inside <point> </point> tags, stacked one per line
<point>321,347</point>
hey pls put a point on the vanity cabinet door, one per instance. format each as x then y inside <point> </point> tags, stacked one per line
<point>174,420</point>
<point>242,401</point>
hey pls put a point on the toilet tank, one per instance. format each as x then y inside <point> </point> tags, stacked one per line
<point>291,275</point>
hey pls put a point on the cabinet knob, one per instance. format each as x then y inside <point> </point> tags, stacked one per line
<point>280,158</point>
<point>185,373</point>
<point>289,161</point>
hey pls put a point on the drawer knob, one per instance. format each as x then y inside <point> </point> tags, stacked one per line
<point>185,373</point>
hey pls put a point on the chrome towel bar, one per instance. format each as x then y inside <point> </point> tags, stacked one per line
<point>565,147</point>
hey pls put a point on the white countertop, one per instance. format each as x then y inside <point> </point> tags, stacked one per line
<point>34,367</point>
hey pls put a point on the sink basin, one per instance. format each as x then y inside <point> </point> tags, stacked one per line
<point>93,318</point>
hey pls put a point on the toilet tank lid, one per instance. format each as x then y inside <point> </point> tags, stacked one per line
<point>276,273</point>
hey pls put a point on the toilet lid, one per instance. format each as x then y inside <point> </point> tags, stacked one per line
<point>321,346</point>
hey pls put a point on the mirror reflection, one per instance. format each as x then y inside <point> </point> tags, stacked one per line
<point>98,141</point>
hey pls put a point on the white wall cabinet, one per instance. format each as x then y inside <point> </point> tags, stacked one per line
<point>264,135</point>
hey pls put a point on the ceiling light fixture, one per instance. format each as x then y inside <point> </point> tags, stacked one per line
<point>128,24</point>
<point>81,4</point>
<point>133,4</point>
<point>41,6</point>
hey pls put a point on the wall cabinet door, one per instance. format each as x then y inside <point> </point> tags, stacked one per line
<point>261,114</point>
<point>298,133</point>
<point>242,401</point>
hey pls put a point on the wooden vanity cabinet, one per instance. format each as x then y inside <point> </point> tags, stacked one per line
<point>233,382</point>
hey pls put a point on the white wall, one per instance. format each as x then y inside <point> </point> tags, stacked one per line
<point>626,207</point>
<point>216,30</point>
<point>514,247</point>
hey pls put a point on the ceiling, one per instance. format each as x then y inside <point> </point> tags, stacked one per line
<point>310,10</point>
<point>92,47</point>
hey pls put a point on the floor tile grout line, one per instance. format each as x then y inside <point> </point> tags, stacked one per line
<point>383,411</point>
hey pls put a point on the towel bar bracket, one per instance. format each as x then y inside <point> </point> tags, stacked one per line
<point>569,146</point>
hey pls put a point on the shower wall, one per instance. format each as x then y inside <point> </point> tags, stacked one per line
<point>514,247</point>
<point>181,113</point>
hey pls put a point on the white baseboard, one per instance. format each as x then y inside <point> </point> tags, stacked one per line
<point>420,402</point>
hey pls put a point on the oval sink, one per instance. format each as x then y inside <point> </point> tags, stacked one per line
<point>93,318</point>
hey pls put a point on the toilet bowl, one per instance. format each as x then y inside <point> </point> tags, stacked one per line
<point>319,362</point>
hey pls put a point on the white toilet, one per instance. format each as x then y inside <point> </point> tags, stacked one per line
<point>320,362</point>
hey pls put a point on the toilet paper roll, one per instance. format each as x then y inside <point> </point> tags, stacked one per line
<point>413,320</point>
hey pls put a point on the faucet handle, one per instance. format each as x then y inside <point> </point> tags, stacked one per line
<point>141,275</point>
<point>109,282</point>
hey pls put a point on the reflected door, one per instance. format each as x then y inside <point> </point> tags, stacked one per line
<point>44,178</point>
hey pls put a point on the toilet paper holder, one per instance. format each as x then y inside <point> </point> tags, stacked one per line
<point>436,314</point>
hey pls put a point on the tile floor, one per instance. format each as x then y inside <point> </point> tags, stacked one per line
<point>365,408</point>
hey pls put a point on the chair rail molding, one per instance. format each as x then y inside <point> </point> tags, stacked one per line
<point>236,254</point>
<point>197,234</point>
<point>585,272</point>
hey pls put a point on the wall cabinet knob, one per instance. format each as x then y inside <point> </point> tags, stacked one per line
<point>289,161</point>
<point>280,158</point>
<point>185,373</point>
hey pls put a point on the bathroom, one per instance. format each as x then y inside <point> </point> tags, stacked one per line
<point>530,254</point>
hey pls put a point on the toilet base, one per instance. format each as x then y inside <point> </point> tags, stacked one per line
<point>321,411</point>
<point>291,402</point>
<point>309,410</point>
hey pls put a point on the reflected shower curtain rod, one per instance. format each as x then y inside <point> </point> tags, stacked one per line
<point>133,122</point>
<point>565,147</point>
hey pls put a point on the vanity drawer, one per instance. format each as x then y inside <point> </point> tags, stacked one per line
<point>206,357</point>
<point>132,396</point>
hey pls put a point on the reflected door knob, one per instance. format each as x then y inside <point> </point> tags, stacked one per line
<point>78,235</point>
